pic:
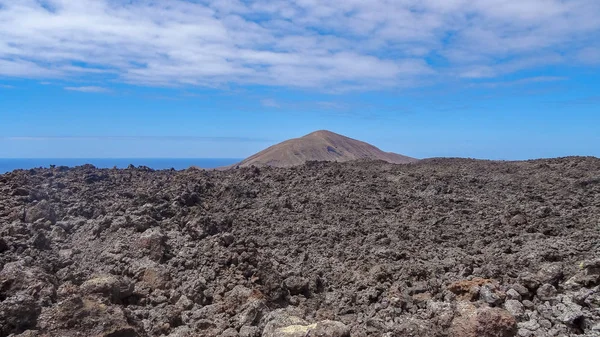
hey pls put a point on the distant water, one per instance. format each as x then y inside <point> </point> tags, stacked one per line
<point>8,165</point>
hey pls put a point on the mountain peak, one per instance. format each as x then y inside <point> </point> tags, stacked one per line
<point>321,145</point>
<point>322,133</point>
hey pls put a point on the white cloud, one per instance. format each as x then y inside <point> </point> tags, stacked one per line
<point>342,45</point>
<point>6,86</point>
<point>270,103</point>
<point>88,89</point>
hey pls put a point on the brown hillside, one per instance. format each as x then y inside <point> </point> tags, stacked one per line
<point>320,146</point>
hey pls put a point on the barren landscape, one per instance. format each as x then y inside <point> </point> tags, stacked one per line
<point>441,247</point>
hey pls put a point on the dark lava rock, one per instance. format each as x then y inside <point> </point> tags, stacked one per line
<point>296,285</point>
<point>436,248</point>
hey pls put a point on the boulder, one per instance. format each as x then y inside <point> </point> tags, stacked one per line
<point>512,294</point>
<point>302,329</point>
<point>41,210</point>
<point>546,292</point>
<point>296,285</point>
<point>550,273</point>
<point>116,289</point>
<point>482,322</point>
<point>86,316</point>
<point>515,308</point>
<point>152,244</point>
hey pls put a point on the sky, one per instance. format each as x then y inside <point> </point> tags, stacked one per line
<point>494,79</point>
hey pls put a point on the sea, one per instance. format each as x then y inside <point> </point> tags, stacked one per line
<point>11,164</point>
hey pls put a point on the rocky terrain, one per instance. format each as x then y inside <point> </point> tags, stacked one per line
<point>441,247</point>
<point>320,145</point>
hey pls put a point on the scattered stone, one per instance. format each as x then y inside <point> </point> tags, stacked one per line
<point>546,292</point>
<point>512,294</point>
<point>522,290</point>
<point>515,308</point>
<point>550,274</point>
<point>374,250</point>
<point>518,220</point>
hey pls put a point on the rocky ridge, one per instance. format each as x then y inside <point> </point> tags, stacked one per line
<point>443,247</point>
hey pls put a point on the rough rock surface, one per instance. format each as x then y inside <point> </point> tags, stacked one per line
<point>442,247</point>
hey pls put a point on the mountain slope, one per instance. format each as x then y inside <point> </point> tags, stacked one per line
<point>320,146</point>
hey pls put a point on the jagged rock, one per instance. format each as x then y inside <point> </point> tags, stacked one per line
<point>550,274</point>
<point>488,294</point>
<point>296,285</point>
<point>249,331</point>
<point>18,313</point>
<point>151,242</point>
<point>468,289</point>
<point>231,332</point>
<point>521,289</point>
<point>482,322</point>
<point>112,287</point>
<point>209,252</point>
<point>515,308</point>
<point>302,329</point>
<point>184,303</point>
<point>42,210</point>
<point>86,316</point>
<point>546,292</point>
<point>512,294</point>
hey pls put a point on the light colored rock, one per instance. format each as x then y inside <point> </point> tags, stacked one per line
<point>488,295</point>
<point>301,328</point>
<point>515,308</point>
<point>512,294</point>
<point>231,332</point>
<point>482,322</point>
<point>249,331</point>
<point>184,303</point>
<point>110,286</point>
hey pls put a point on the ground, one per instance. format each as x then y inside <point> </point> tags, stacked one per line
<point>442,247</point>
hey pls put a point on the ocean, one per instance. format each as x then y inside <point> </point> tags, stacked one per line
<point>10,164</point>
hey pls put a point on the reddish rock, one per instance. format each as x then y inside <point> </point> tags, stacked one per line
<point>468,289</point>
<point>482,322</point>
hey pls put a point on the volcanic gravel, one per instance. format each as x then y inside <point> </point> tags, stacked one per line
<point>441,247</point>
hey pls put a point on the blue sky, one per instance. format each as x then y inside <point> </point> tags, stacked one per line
<point>499,79</point>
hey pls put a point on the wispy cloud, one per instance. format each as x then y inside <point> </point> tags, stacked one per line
<point>143,138</point>
<point>333,46</point>
<point>6,86</point>
<point>270,103</point>
<point>88,89</point>
<point>522,81</point>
